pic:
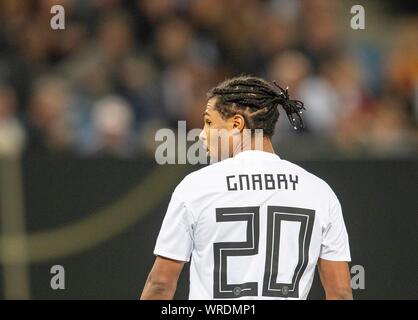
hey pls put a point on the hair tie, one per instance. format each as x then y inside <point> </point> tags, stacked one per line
<point>293,108</point>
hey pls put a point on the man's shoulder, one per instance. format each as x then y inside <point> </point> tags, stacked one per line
<point>202,176</point>
<point>309,177</point>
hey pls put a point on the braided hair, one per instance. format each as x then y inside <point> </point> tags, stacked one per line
<point>256,100</point>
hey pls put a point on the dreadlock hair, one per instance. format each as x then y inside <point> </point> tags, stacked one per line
<point>257,101</point>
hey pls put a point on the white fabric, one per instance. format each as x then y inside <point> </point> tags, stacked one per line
<point>190,228</point>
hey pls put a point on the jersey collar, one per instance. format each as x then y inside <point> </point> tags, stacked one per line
<point>257,153</point>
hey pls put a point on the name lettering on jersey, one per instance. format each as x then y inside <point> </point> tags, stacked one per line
<point>242,182</point>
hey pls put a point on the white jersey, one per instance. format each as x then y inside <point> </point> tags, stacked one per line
<point>254,226</point>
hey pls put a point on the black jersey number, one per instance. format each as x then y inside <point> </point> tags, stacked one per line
<point>275,215</point>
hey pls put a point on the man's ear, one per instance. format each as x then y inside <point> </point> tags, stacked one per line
<point>238,122</point>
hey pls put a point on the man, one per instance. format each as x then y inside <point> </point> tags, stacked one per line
<point>254,225</point>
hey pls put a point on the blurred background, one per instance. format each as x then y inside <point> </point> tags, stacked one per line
<point>122,69</point>
<point>79,109</point>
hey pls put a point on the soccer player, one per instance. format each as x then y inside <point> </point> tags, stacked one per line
<point>255,226</point>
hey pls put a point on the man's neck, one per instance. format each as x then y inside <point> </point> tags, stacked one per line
<point>252,144</point>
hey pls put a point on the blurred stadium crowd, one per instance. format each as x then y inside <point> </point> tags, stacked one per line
<point>122,69</point>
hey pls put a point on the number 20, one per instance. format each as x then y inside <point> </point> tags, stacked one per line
<point>251,215</point>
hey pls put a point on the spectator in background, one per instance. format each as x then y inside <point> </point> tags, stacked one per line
<point>112,120</point>
<point>49,122</point>
<point>12,134</point>
<point>401,69</point>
